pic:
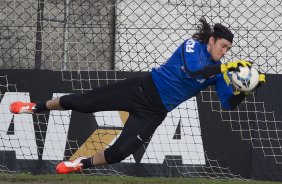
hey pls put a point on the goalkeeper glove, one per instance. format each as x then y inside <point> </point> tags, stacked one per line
<point>262,80</point>
<point>231,66</point>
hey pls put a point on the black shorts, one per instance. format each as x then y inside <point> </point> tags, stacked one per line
<point>138,96</point>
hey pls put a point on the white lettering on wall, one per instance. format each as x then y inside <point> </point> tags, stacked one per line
<point>23,140</point>
<point>57,132</point>
<point>189,146</point>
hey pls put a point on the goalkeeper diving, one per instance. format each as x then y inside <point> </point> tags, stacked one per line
<point>193,66</point>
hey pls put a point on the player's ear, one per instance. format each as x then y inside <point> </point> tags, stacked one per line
<point>211,40</point>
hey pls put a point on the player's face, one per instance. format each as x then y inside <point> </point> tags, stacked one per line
<point>218,48</point>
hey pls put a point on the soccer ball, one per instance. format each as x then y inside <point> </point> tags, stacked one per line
<point>245,78</point>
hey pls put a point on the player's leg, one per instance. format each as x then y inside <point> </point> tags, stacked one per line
<point>115,96</point>
<point>81,163</point>
<point>135,133</point>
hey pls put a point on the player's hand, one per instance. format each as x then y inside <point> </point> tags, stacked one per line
<point>233,65</point>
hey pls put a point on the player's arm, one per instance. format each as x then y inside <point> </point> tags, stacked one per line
<point>225,94</point>
<point>211,70</point>
<point>236,99</point>
<point>228,99</point>
<point>196,69</point>
<point>191,61</point>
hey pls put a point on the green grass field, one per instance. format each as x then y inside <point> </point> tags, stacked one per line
<point>81,179</point>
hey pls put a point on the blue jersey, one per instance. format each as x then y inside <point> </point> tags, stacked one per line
<point>175,83</point>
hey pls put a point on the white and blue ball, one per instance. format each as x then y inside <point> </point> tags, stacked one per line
<point>245,78</point>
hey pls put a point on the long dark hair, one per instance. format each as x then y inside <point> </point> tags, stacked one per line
<point>204,31</point>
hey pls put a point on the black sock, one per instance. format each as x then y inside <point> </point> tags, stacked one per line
<point>87,163</point>
<point>40,106</point>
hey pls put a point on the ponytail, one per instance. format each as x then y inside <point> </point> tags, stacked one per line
<point>204,31</point>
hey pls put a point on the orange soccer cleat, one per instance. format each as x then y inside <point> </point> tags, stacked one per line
<point>67,167</point>
<point>22,108</point>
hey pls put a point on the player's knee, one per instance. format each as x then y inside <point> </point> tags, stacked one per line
<point>115,154</point>
<point>73,102</point>
<point>67,101</point>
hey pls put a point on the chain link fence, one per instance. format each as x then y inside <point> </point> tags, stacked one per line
<point>129,35</point>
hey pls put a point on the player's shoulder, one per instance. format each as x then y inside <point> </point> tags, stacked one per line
<point>196,43</point>
<point>192,40</point>
<point>193,45</point>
